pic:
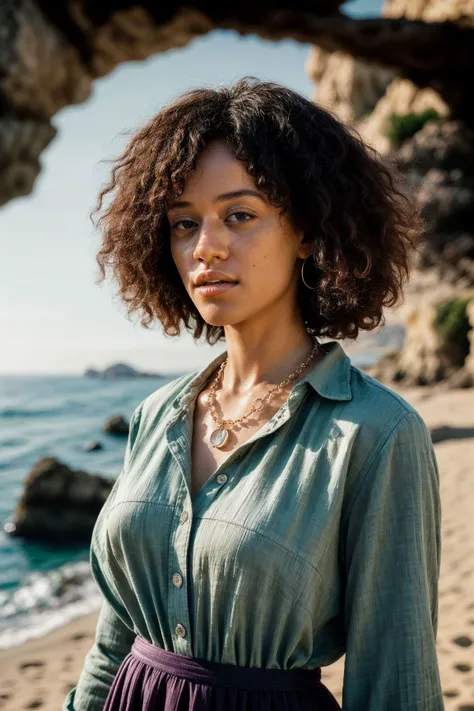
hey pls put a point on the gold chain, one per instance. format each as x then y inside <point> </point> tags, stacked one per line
<point>259,402</point>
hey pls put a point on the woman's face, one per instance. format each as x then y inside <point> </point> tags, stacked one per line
<point>243,236</point>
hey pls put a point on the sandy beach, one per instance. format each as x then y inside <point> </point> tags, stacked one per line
<point>39,673</point>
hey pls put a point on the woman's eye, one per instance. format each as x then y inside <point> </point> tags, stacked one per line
<point>247,214</point>
<point>182,222</point>
<point>188,224</point>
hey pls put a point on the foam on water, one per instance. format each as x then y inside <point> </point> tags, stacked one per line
<point>46,601</point>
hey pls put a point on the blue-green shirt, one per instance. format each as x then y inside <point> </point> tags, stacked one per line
<point>317,537</point>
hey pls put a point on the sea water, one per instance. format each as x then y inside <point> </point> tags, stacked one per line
<point>41,585</point>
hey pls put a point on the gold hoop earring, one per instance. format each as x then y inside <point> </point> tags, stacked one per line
<point>302,276</point>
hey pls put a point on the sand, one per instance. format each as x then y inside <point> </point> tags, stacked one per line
<point>39,673</point>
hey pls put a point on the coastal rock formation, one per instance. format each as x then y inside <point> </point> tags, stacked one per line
<point>465,377</point>
<point>438,164</point>
<point>92,373</point>
<point>52,52</point>
<point>58,503</point>
<point>469,364</point>
<point>118,370</point>
<point>366,93</point>
<point>438,345</point>
<point>349,87</point>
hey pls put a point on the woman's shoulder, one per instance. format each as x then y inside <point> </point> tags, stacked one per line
<point>374,415</point>
<point>356,402</point>
<point>375,401</point>
<point>164,396</point>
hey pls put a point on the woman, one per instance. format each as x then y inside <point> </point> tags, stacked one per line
<point>279,507</point>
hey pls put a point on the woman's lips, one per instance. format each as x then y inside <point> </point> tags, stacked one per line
<point>213,289</point>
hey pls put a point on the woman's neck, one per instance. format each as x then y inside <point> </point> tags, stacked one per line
<point>264,360</point>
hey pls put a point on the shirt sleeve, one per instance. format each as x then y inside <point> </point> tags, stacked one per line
<point>391,548</point>
<point>113,641</point>
<point>114,631</point>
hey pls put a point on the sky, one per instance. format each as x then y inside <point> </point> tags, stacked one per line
<point>54,318</point>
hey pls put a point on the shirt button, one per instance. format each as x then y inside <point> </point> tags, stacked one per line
<point>222,478</point>
<point>184,516</point>
<point>177,580</point>
<point>180,630</point>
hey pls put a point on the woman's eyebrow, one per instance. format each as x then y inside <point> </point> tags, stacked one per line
<point>220,198</point>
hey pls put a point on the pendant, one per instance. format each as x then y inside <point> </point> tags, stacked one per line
<point>219,437</point>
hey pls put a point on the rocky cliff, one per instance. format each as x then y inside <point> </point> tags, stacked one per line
<point>438,164</point>
<point>52,52</point>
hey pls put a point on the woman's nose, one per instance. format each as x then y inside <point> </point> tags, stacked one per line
<point>211,241</point>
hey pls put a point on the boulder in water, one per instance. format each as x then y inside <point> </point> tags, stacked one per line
<point>117,425</point>
<point>58,504</point>
<point>93,446</point>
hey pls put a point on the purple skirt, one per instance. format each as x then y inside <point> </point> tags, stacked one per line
<point>154,679</point>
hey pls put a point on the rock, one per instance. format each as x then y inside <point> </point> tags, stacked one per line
<point>436,345</point>
<point>350,87</point>
<point>364,93</point>
<point>438,165</point>
<point>119,370</point>
<point>117,425</point>
<point>437,162</point>
<point>469,364</point>
<point>58,504</point>
<point>52,55</point>
<point>446,145</point>
<point>92,373</point>
<point>92,446</point>
<point>460,379</point>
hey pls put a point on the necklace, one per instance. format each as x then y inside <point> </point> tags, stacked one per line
<point>219,436</point>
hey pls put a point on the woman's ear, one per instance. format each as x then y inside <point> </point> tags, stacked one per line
<point>304,248</point>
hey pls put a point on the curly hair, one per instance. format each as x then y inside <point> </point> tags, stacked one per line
<point>348,200</point>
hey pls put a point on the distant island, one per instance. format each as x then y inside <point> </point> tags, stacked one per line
<point>123,370</point>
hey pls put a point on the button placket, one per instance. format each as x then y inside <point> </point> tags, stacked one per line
<point>178,610</point>
<point>178,602</point>
<point>177,436</point>
<point>222,479</point>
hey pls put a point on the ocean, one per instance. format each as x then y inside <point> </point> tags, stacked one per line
<point>43,586</point>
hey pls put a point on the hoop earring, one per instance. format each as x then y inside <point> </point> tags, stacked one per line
<point>302,276</point>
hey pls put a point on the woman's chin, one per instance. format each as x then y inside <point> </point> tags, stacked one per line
<point>217,317</point>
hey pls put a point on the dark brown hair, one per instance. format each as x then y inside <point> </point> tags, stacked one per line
<point>349,201</point>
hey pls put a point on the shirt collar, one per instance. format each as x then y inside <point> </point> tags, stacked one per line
<point>329,377</point>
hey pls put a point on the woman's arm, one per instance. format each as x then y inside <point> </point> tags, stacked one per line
<point>114,632</point>
<point>391,548</point>
<point>113,641</point>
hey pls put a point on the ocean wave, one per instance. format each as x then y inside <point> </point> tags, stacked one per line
<point>45,601</point>
<point>12,412</point>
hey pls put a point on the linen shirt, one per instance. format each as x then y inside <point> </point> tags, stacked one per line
<point>317,537</point>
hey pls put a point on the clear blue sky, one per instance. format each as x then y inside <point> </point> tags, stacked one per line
<point>53,317</point>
